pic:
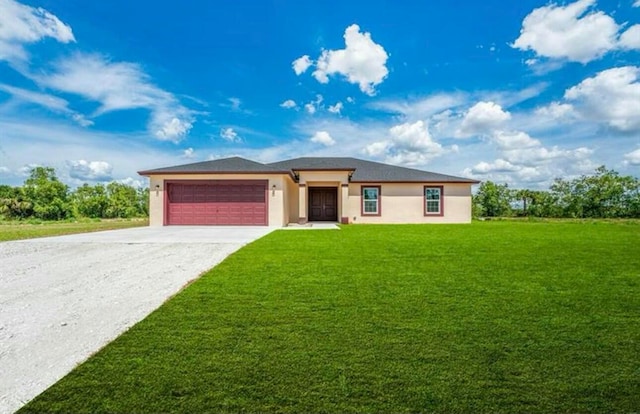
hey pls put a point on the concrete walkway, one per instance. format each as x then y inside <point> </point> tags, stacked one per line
<point>63,298</point>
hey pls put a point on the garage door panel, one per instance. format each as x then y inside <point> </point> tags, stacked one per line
<point>217,203</point>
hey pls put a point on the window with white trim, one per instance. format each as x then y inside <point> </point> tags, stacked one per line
<point>371,200</point>
<point>433,200</point>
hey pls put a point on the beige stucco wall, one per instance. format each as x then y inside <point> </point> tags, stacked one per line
<point>317,178</point>
<point>403,203</point>
<point>291,195</point>
<point>278,214</point>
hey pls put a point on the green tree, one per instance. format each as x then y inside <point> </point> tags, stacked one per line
<point>90,201</point>
<point>493,200</point>
<point>48,195</point>
<point>13,203</point>
<point>123,201</point>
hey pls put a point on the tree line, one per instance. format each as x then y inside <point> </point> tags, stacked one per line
<point>43,196</point>
<point>605,194</point>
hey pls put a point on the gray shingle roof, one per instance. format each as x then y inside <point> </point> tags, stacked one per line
<point>363,171</point>
<point>368,171</point>
<point>224,165</point>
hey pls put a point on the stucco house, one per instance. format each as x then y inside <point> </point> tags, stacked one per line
<point>237,191</point>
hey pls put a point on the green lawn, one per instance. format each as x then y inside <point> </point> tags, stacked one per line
<point>488,317</point>
<point>16,230</point>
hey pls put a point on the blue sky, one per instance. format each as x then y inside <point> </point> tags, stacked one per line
<point>517,92</point>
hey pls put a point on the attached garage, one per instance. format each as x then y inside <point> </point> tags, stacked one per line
<point>216,202</point>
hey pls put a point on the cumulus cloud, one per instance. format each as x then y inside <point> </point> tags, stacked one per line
<point>21,24</point>
<point>509,140</point>
<point>323,137</point>
<point>120,86</point>
<point>90,170</point>
<point>556,110</point>
<point>310,108</point>
<point>574,32</point>
<point>612,97</point>
<point>361,62</point>
<point>630,39</point>
<point>569,32</point>
<point>188,153</point>
<point>173,129</point>
<point>335,109</point>
<point>228,134</point>
<point>408,144</point>
<point>301,64</point>
<point>288,104</point>
<point>632,157</point>
<point>482,118</point>
<point>498,165</point>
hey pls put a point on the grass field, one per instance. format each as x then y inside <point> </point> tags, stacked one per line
<point>488,317</point>
<point>15,230</point>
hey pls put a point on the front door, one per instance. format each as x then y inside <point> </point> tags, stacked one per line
<point>323,204</point>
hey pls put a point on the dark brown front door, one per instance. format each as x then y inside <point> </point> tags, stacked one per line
<point>323,204</point>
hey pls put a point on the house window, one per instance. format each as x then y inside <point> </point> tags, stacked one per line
<point>371,201</point>
<point>433,201</point>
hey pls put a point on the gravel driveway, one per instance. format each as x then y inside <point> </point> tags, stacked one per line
<point>63,298</point>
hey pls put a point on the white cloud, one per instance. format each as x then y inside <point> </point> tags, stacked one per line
<point>171,130</point>
<point>377,148</point>
<point>335,109</point>
<point>301,64</point>
<point>612,97</point>
<point>415,109</point>
<point>514,140</point>
<point>323,137</point>
<point>288,104</point>
<point>50,102</point>
<point>188,153</point>
<point>228,134</point>
<point>482,118</point>
<point>499,165</point>
<point>361,62</point>
<point>90,170</point>
<point>633,157</point>
<point>556,110</point>
<point>21,24</point>
<point>313,106</point>
<point>4,170</point>
<point>636,3</point>
<point>568,32</point>
<point>120,86</point>
<point>630,39</point>
<point>409,144</point>
<point>133,182</point>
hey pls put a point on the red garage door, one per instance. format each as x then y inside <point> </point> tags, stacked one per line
<point>217,203</point>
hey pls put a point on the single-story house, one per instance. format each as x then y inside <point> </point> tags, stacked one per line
<point>237,191</point>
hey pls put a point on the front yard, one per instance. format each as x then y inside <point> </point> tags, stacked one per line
<point>488,317</point>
